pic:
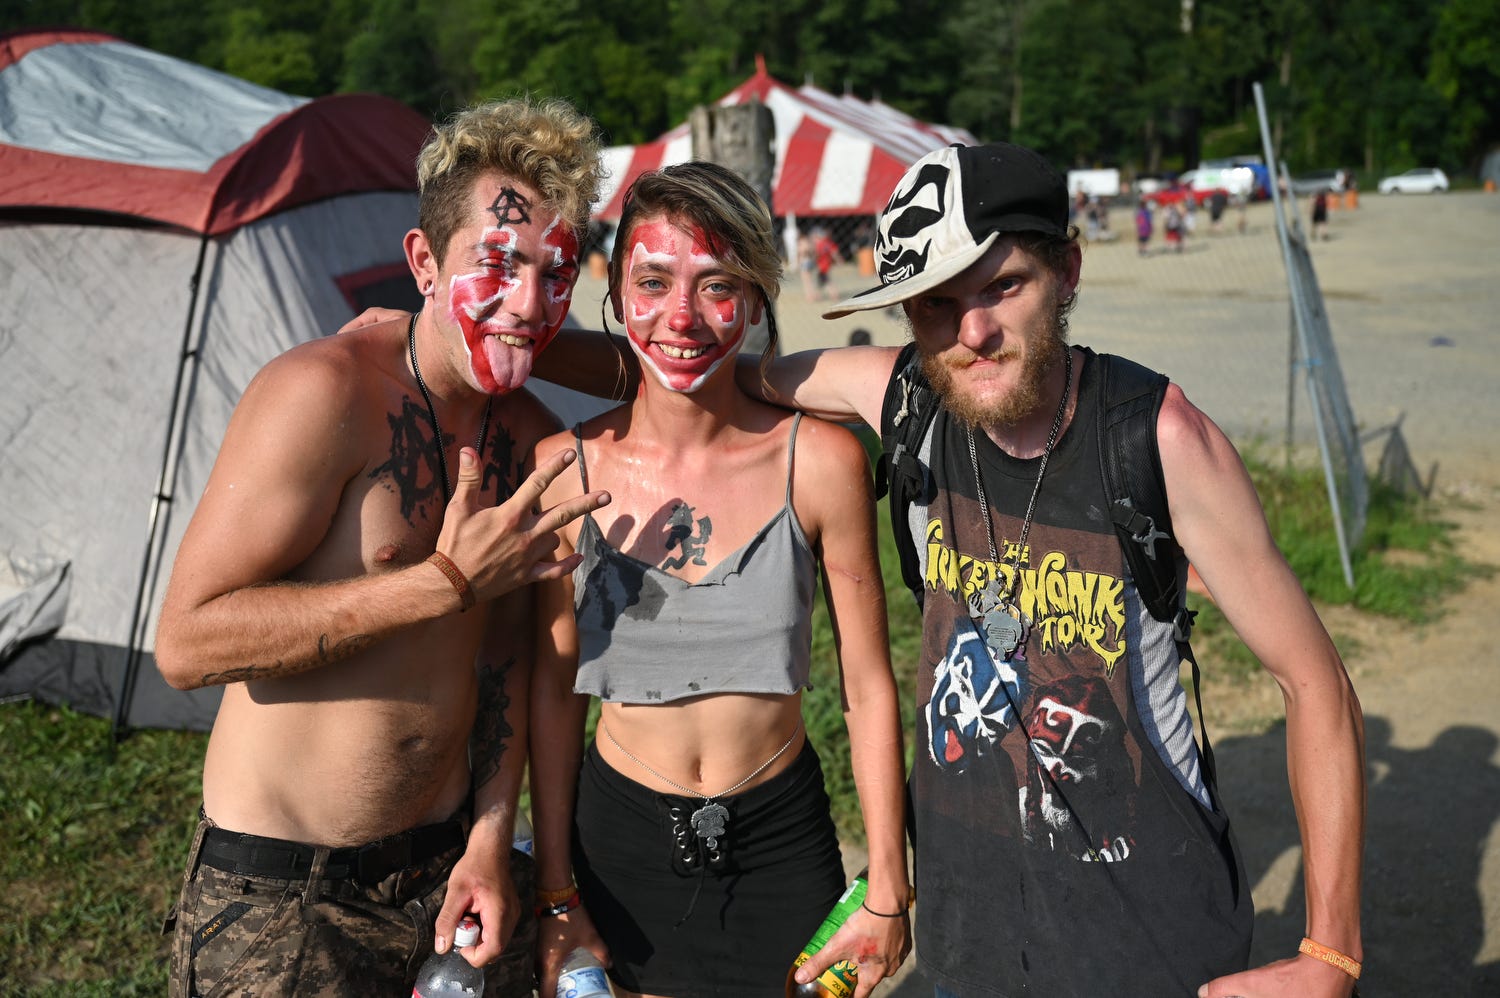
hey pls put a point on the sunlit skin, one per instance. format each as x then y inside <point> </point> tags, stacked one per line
<point>509,292</point>
<point>684,312</point>
<point>990,336</point>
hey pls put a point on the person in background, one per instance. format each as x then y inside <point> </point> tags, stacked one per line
<point>696,822</point>
<point>1171,226</point>
<point>356,579</point>
<point>1143,227</point>
<point>1320,215</point>
<point>827,252</point>
<point>807,265</point>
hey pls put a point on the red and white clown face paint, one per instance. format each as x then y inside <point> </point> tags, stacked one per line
<point>685,313</point>
<point>510,287</point>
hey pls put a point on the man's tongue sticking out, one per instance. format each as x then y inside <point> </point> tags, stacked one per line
<point>508,366</point>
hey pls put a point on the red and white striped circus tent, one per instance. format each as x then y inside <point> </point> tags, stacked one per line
<point>835,155</point>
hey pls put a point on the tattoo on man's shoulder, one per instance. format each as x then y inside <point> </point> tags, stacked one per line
<point>689,536</point>
<point>410,471</point>
<point>487,742</point>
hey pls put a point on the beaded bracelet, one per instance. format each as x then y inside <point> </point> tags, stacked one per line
<point>561,908</point>
<point>454,576</point>
<point>1330,956</point>
<point>547,899</point>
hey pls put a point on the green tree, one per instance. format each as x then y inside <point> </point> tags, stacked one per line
<point>613,65</point>
<point>392,54</point>
<point>256,51</point>
<point>1465,74</point>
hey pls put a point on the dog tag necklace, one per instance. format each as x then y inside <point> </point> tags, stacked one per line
<point>437,431</point>
<point>994,607</point>
<point>710,820</point>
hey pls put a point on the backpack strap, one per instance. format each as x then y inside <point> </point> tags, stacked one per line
<point>905,416</point>
<point>1131,396</point>
<point>1131,464</point>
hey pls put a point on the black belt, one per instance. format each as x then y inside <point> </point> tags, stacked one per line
<point>258,856</point>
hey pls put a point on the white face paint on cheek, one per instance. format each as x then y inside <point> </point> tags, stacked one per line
<point>644,310</point>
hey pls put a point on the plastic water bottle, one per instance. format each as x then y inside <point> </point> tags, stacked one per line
<point>582,976</point>
<point>525,838</point>
<point>838,980</point>
<point>449,973</point>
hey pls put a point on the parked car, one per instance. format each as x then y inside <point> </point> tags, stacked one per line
<point>1422,180</point>
<point>1320,180</point>
<point>1150,183</point>
<point>1237,176</point>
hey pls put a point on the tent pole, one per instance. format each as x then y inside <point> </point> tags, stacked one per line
<point>185,354</point>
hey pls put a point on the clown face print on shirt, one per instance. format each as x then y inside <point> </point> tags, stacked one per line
<point>684,311</point>
<point>510,278</point>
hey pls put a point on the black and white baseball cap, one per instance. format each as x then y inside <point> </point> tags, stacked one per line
<point>949,209</point>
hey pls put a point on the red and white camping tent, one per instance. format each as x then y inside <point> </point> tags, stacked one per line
<point>835,155</point>
<point>165,230</point>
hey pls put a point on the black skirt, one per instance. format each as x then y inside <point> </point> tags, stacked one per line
<point>689,920</point>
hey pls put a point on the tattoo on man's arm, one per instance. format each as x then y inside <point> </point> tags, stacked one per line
<point>343,648</point>
<point>327,654</point>
<point>488,740</point>
<point>243,674</point>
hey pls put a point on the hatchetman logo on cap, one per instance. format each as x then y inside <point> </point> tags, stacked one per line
<point>909,223</point>
<point>949,209</point>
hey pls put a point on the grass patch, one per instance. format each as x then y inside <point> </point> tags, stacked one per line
<point>1407,561</point>
<point>1406,566</point>
<point>95,851</point>
<point>95,846</point>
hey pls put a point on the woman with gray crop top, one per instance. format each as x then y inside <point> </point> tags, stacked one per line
<point>690,845</point>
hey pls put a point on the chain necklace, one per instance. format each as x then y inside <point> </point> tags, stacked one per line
<point>709,820</point>
<point>994,609</point>
<point>437,431</point>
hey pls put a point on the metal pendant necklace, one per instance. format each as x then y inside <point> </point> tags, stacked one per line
<point>710,819</point>
<point>437,431</point>
<point>994,608</point>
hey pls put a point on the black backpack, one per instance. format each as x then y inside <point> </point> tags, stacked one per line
<point>1130,397</point>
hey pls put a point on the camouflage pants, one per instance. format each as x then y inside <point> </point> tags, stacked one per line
<point>242,935</point>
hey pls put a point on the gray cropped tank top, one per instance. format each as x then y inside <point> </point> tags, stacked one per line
<point>646,636</point>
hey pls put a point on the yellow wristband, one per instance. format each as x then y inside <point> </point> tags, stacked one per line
<point>1332,957</point>
<point>548,899</point>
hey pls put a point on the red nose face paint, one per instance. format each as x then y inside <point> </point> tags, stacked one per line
<point>684,310</point>
<point>510,294</point>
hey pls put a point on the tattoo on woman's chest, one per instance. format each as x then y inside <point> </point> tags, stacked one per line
<point>688,535</point>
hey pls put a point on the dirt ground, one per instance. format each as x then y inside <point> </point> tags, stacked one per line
<point>1413,297</point>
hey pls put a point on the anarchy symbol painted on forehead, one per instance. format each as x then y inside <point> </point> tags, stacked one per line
<point>510,207</point>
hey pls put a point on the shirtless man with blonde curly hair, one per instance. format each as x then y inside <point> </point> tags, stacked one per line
<point>356,578</point>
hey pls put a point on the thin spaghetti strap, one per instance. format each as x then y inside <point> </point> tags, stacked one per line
<point>791,451</point>
<point>583,470</point>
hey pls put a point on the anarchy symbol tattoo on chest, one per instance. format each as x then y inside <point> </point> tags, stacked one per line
<point>411,474</point>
